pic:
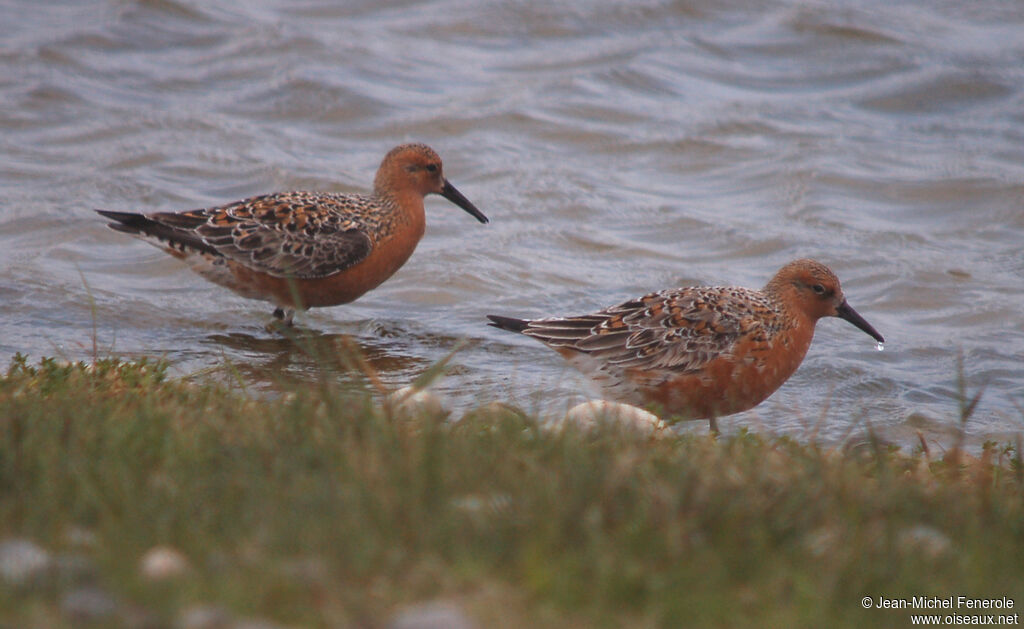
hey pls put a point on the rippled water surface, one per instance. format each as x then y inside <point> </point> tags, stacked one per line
<point>617,147</point>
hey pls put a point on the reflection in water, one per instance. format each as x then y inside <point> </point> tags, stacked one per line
<point>276,361</point>
<point>299,355</point>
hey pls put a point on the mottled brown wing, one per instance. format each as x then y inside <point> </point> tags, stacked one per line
<point>678,330</point>
<point>302,235</point>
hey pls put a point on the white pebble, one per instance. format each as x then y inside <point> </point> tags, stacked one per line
<point>204,617</point>
<point>926,540</point>
<point>432,615</point>
<point>22,561</point>
<point>589,415</point>
<point>411,402</point>
<point>162,562</point>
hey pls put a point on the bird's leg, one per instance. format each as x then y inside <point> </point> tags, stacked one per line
<point>713,425</point>
<point>282,317</point>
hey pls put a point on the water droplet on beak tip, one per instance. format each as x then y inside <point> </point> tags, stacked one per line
<point>880,346</point>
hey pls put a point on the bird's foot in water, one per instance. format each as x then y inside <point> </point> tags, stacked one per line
<point>282,320</point>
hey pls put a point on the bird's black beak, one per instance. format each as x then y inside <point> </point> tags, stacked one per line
<point>449,192</point>
<point>844,311</point>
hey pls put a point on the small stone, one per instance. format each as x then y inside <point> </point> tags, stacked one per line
<point>204,617</point>
<point>924,539</point>
<point>22,561</point>
<point>254,623</point>
<point>411,402</point>
<point>433,615</point>
<point>594,413</point>
<point>305,570</point>
<point>163,562</point>
<point>483,504</point>
<point>80,537</point>
<point>823,541</point>
<point>88,604</point>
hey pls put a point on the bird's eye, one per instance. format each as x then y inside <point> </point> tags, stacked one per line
<point>818,289</point>
<point>431,168</point>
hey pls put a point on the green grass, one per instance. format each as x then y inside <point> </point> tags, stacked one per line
<point>318,508</point>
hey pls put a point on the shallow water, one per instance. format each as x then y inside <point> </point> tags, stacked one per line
<point>617,147</point>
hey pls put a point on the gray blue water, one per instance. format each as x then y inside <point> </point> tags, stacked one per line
<point>617,147</point>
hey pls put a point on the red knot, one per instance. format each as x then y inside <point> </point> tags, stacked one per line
<point>303,250</point>
<point>699,352</point>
